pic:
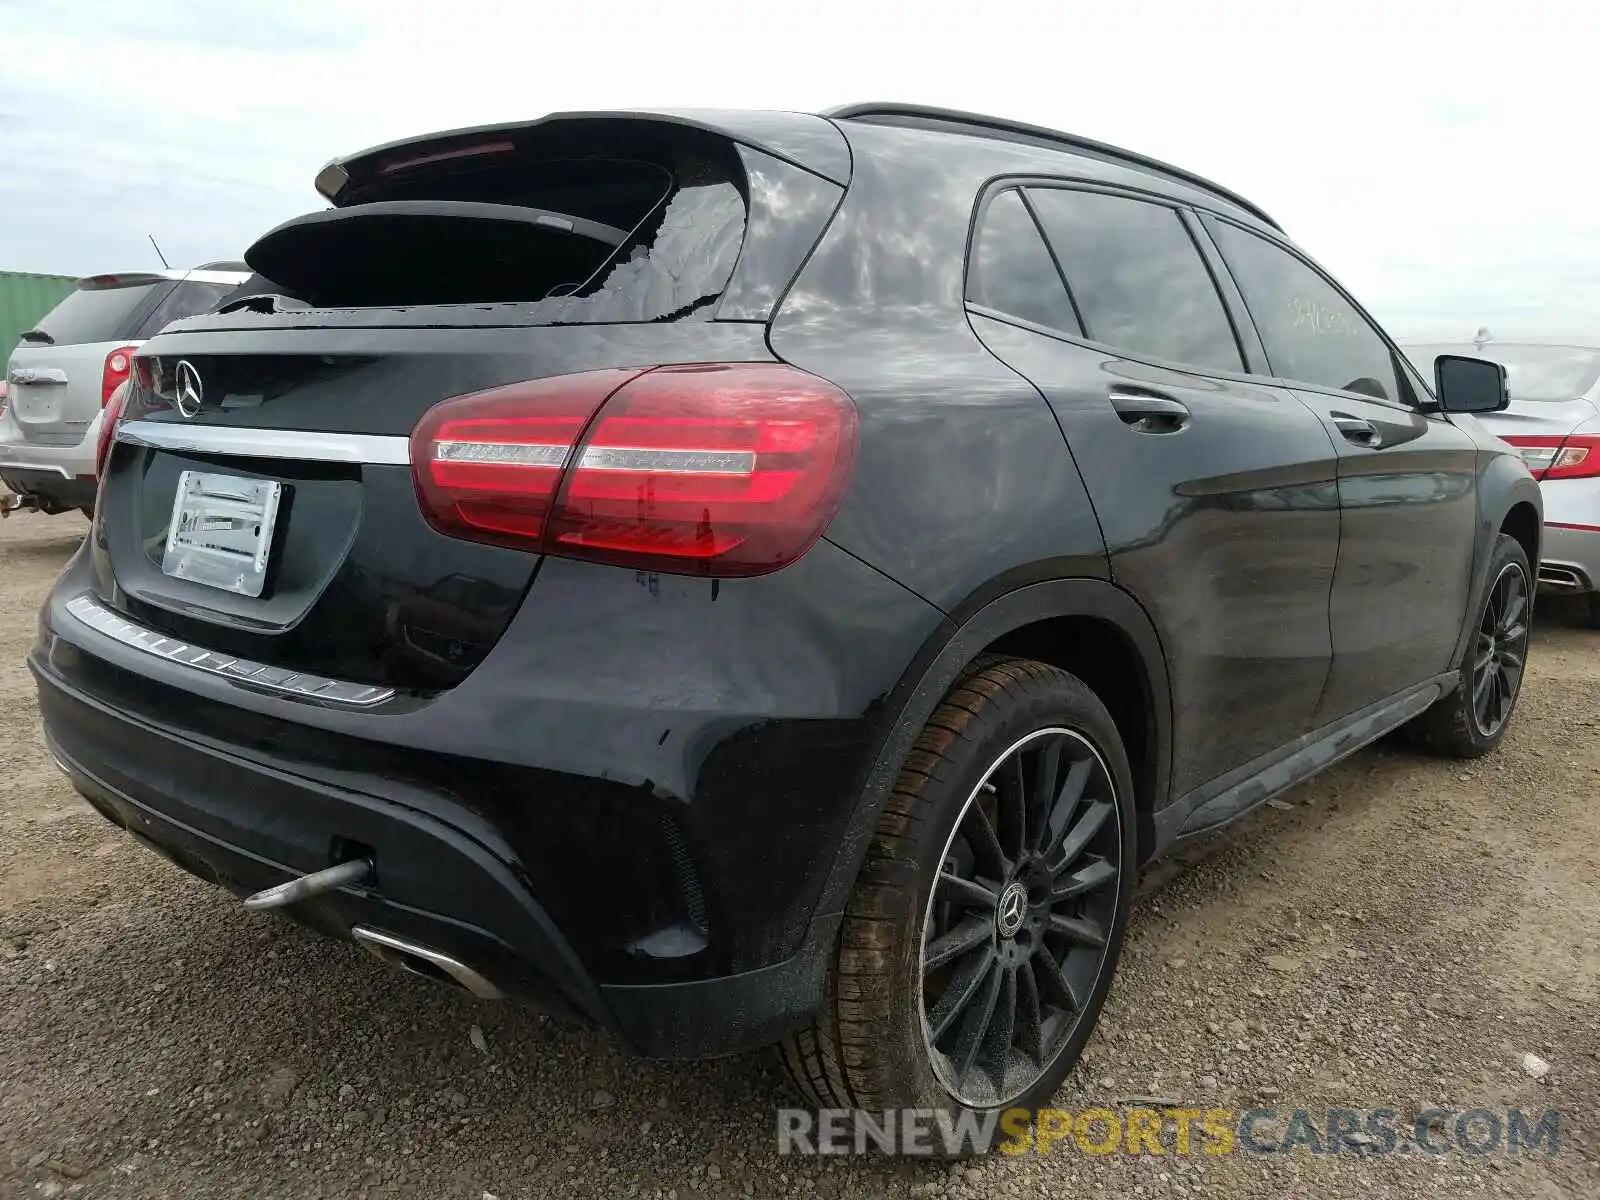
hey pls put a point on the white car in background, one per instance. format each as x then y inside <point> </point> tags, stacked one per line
<point>1554,422</point>
<point>64,371</point>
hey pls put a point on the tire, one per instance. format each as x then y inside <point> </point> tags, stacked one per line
<point>1455,726</point>
<point>1594,609</point>
<point>868,1048</point>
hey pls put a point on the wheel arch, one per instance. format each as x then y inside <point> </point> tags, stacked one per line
<point>1044,620</point>
<point>1509,501</point>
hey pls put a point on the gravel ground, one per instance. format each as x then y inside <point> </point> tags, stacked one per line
<point>1400,933</point>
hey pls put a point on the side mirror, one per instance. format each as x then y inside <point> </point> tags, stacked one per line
<point>1470,385</point>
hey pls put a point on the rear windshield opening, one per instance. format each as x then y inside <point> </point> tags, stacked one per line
<point>594,239</point>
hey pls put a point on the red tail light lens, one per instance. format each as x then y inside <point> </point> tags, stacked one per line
<point>715,469</point>
<point>119,364</point>
<point>487,465</point>
<point>1576,457</point>
<point>110,417</point>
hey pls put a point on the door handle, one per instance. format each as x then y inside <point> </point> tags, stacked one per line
<point>1147,413</point>
<point>1356,430</point>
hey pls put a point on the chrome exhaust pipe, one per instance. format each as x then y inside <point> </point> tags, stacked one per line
<point>420,960</point>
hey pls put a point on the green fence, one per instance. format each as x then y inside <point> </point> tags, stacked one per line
<point>24,298</point>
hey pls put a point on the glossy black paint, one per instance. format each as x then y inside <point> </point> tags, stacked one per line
<point>1408,511</point>
<point>1276,596</point>
<point>1229,539</point>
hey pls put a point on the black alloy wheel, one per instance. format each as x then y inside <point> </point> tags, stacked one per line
<point>1501,650</point>
<point>1018,921</point>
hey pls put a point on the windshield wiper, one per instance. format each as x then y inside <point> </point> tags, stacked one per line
<point>37,335</point>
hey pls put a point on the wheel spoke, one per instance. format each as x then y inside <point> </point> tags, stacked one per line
<point>1514,635</point>
<point>967,936</point>
<point>951,887</point>
<point>1516,598</point>
<point>1480,696</point>
<point>980,835</point>
<point>1066,802</point>
<point>995,1051</point>
<point>1079,836</point>
<point>1079,930</point>
<point>1054,986</point>
<point>1011,806</point>
<point>1030,1014</point>
<point>1088,878</point>
<point>955,999</point>
<point>975,1022</point>
<point>1512,659</point>
<point>1046,776</point>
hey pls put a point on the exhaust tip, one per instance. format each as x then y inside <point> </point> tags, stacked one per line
<point>1563,579</point>
<point>424,961</point>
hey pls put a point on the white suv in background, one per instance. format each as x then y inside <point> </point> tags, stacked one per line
<point>64,370</point>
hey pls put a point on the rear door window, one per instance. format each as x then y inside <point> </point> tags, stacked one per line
<point>1137,277</point>
<point>94,315</point>
<point>1312,332</point>
<point>1011,270</point>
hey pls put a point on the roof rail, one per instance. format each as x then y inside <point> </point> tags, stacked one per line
<point>921,116</point>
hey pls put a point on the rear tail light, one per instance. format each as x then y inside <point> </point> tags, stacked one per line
<point>1576,457</point>
<point>110,417</point>
<point>713,469</point>
<point>118,364</point>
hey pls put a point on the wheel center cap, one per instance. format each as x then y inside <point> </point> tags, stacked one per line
<point>1011,910</point>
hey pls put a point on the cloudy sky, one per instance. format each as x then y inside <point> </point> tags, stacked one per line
<point>1440,161</point>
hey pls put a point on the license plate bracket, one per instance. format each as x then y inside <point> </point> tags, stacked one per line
<point>221,531</point>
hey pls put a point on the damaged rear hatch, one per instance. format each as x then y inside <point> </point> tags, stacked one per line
<point>259,511</point>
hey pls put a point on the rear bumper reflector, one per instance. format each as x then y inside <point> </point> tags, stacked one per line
<point>299,685</point>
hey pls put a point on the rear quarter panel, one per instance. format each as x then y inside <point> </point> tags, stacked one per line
<point>964,486</point>
<point>1504,482</point>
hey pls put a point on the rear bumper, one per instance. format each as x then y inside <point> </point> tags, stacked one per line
<point>48,487</point>
<point>62,476</point>
<point>234,823</point>
<point>632,811</point>
<point>1569,559</point>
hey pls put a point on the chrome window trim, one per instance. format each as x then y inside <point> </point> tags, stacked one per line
<point>296,685</point>
<point>363,448</point>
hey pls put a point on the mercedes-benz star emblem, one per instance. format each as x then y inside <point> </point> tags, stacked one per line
<point>190,392</point>
<point>1012,908</point>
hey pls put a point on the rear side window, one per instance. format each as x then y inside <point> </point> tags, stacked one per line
<point>94,315</point>
<point>182,300</point>
<point>1011,270</point>
<point>1137,277</point>
<point>1311,331</point>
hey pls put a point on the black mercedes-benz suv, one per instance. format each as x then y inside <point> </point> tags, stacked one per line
<point>748,578</point>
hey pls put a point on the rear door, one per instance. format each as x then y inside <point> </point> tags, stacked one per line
<point>1407,481</point>
<point>1215,492</point>
<point>57,371</point>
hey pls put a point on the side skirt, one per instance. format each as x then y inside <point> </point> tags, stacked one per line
<point>1225,799</point>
